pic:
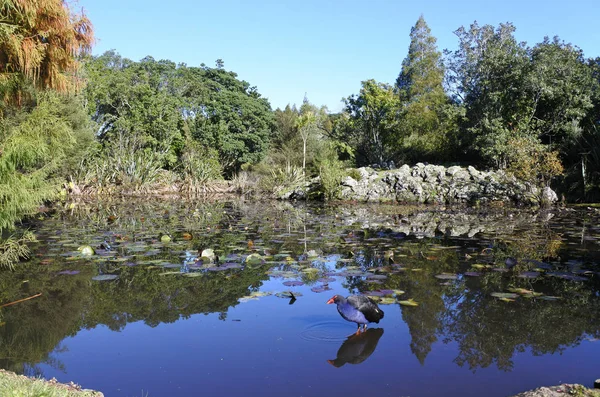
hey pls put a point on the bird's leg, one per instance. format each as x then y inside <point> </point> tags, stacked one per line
<point>365,327</point>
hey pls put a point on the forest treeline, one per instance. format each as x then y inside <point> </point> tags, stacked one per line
<point>105,124</point>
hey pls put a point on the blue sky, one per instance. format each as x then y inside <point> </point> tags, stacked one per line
<point>319,47</point>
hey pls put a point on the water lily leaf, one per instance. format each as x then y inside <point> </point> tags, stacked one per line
<point>506,300</point>
<point>387,300</point>
<point>326,280</point>
<point>86,250</point>
<point>520,291</point>
<point>310,270</point>
<point>168,273</point>
<point>105,277</point>
<point>312,254</point>
<point>192,274</point>
<point>472,274</point>
<point>165,238</point>
<point>398,292</point>
<point>293,283</point>
<point>529,274</point>
<point>446,276</point>
<point>209,254</point>
<point>376,277</point>
<point>322,288</point>
<point>504,295</point>
<point>409,302</point>
<point>374,293</point>
<point>69,272</point>
<point>481,266</point>
<point>288,294</point>
<point>254,259</point>
<point>550,298</point>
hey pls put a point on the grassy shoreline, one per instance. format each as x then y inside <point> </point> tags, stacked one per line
<point>15,385</point>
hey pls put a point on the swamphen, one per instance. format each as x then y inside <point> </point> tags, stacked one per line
<point>357,308</point>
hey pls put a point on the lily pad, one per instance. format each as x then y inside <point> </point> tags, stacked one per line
<point>387,300</point>
<point>408,302</point>
<point>326,280</point>
<point>322,288</point>
<point>446,276</point>
<point>472,274</point>
<point>288,294</point>
<point>254,259</point>
<point>105,277</point>
<point>209,254</point>
<point>86,250</point>
<point>529,274</point>
<point>69,272</point>
<point>192,274</point>
<point>293,283</point>
<point>168,273</point>
<point>504,295</point>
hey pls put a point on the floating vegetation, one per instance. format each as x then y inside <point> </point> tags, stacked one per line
<point>446,276</point>
<point>293,283</point>
<point>408,302</point>
<point>504,295</point>
<point>86,250</point>
<point>105,277</point>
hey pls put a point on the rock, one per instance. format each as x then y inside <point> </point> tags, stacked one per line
<point>548,196</point>
<point>560,391</point>
<point>427,183</point>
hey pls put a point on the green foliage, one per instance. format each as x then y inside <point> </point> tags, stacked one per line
<point>423,125</point>
<point>533,162</point>
<point>35,145</point>
<point>282,179</point>
<point>135,101</point>
<point>199,165</point>
<point>159,103</point>
<point>14,249</point>
<point>122,166</point>
<point>370,123</point>
<point>512,92</point>
<point>331,172</point>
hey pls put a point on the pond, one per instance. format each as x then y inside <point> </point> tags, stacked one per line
<point>180,298</point>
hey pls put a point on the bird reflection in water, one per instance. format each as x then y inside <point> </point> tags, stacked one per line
<point>357,348</point>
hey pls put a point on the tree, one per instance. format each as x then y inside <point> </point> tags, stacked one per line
<point>371,122</point>
<point>420,87</point>
<point>40,42</point>
<point>135,104</point>
<point>487,75</point>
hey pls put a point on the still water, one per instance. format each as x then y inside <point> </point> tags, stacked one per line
<point>500,301</point>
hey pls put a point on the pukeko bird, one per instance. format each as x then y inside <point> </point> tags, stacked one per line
<point>357,308</point>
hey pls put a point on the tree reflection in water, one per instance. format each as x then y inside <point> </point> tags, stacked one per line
<point>424,243</point>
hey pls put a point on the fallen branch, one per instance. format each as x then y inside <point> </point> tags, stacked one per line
<point>22,300</point>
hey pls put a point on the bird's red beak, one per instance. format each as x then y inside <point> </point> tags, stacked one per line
<point>330,301</point>
<point>331,362</point>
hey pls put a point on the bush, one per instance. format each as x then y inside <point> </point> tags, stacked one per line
<point>199,165</point>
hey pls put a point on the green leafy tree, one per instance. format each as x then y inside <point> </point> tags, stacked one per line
<point>134,104</point>
<point>487,75</point>
<point>228,115</point>
<point>370,123</point>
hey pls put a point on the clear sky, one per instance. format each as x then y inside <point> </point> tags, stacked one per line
<point>319,47</point>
